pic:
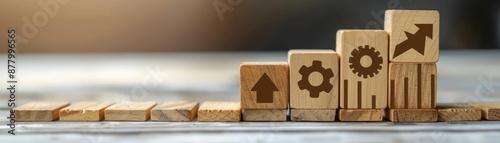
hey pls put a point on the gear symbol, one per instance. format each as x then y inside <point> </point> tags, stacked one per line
<point>355,61</point>
<point>315,90</point>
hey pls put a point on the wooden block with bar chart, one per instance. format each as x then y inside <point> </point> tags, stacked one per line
<point>412,85</point>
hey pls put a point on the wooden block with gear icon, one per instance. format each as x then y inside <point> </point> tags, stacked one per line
<point>363,72</point>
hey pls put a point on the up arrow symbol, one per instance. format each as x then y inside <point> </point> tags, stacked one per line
<point>264,88</point>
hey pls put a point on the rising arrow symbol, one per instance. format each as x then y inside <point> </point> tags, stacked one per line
<point>264,88</point>
<point>415,41</point>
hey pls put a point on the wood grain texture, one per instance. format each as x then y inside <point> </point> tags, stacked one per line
<point>252,72</point>
<point>219,112</point>
<point>315,115</point>
<point>129,111</point>
<point>41,111</point>
<point>363,68</point>
<point>450,112</point>
<point>84,111</point>
<point>175,111</point>
<point>355,115</point>
<point>489,110</point>
<point>413,115</point>
<point>412,85</point>
<point>398,22</point>
<point>315,92</point>
<point>264,114</point>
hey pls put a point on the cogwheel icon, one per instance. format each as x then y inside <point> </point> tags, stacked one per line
<point>355,61</point>
<point>315,90</point>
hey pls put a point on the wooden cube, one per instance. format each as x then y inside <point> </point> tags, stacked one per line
<point>129,111</point>
<point>42,111</point>
<point>414,35</point>
<point>175,111</point>
<point>363,68</point>
<point>219,112</point>
<point>449,112</point>
<point>314,78</point>
<point>412,85</point>
<point>84,111</point>
<point>264,85</point>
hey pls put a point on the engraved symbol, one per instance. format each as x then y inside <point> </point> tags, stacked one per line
<point>264,88</point>
<point>415,41</point>
<point>315,90</point>
<point>356,65</point>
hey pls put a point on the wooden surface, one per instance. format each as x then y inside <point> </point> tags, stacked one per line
<point>413,115</point>
<point>412,85</point>
<point>39,111</point>
<point>175,111</point>
<point>264,114</point>
<point>129,111</point>
<point>314,92</point>
<point>400,24</point>
<point>453,112</point>
<point>274,82</point>
<point>219,112</point>
<point>362,77</point>
<point>490,110</point>
<point>84,111</point>
<point>317,115</point>
<point>361,115</point>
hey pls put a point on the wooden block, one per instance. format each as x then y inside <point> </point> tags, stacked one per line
<point>220,112</point>
<point>312,115</point>
<point>413,115</point>
<point>414,35</point>
<point>264,85</point>
<point>458,112</point>
<point>175,111</point>
<point>129,111</point>
<point>354,115</point>
<point>363,68</point>
<point>84,111</point>
<point>264,114</point>
<point>489,110</point>
<point>39,111</point>
<point>412,85</point>
<point>314,79</point>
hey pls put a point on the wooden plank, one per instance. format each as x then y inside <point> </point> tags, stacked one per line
<point>84,111</point>
<point>313,79</point>
<point>312,115</point>
<point>355,115</point>
<point>129,111</point>
<point>414,35</point>
<point>413,115</point>
<point>41,111</point>
<point>219,112</point>
<point>458,112</point>
<point>264,85</point>
<point>363,68</point>
<point>489,110</point>
<point>175,111</point>
<point>412,85</point>
<point>264,114</point>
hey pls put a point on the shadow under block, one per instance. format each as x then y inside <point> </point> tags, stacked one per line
<point>312,115</point>
<point>412,85</point>
<point>129,111</point>
<point>414,35</point>
<point>363,68</point>
<point>84,111</point>
<point>458,112</point>
<point>413,115</point>
<point>489,110</point>
<point>352,115</point>
<point>175,111</point>
<point>264,114</point>
<point>313,79</point>
<point>219,112</point>
<point>39,111</point>
<point>264,85</point>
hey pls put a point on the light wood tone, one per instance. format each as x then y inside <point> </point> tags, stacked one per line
<point>489,110</point>
<point>312,115</point>
<point>355,115</point>
<point>42,111</point>
<point>251,72</point>
<point>425,92</point>
<point>302,99</point>
<point>413,115</point>
<point>129,111</point>
<point>219,112</point>
<point>84,111</point>
<point>264,114</point>
<point>175,111</point>
<point>399,21</point>
<point>448,112</point>
<point>347,42</point>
